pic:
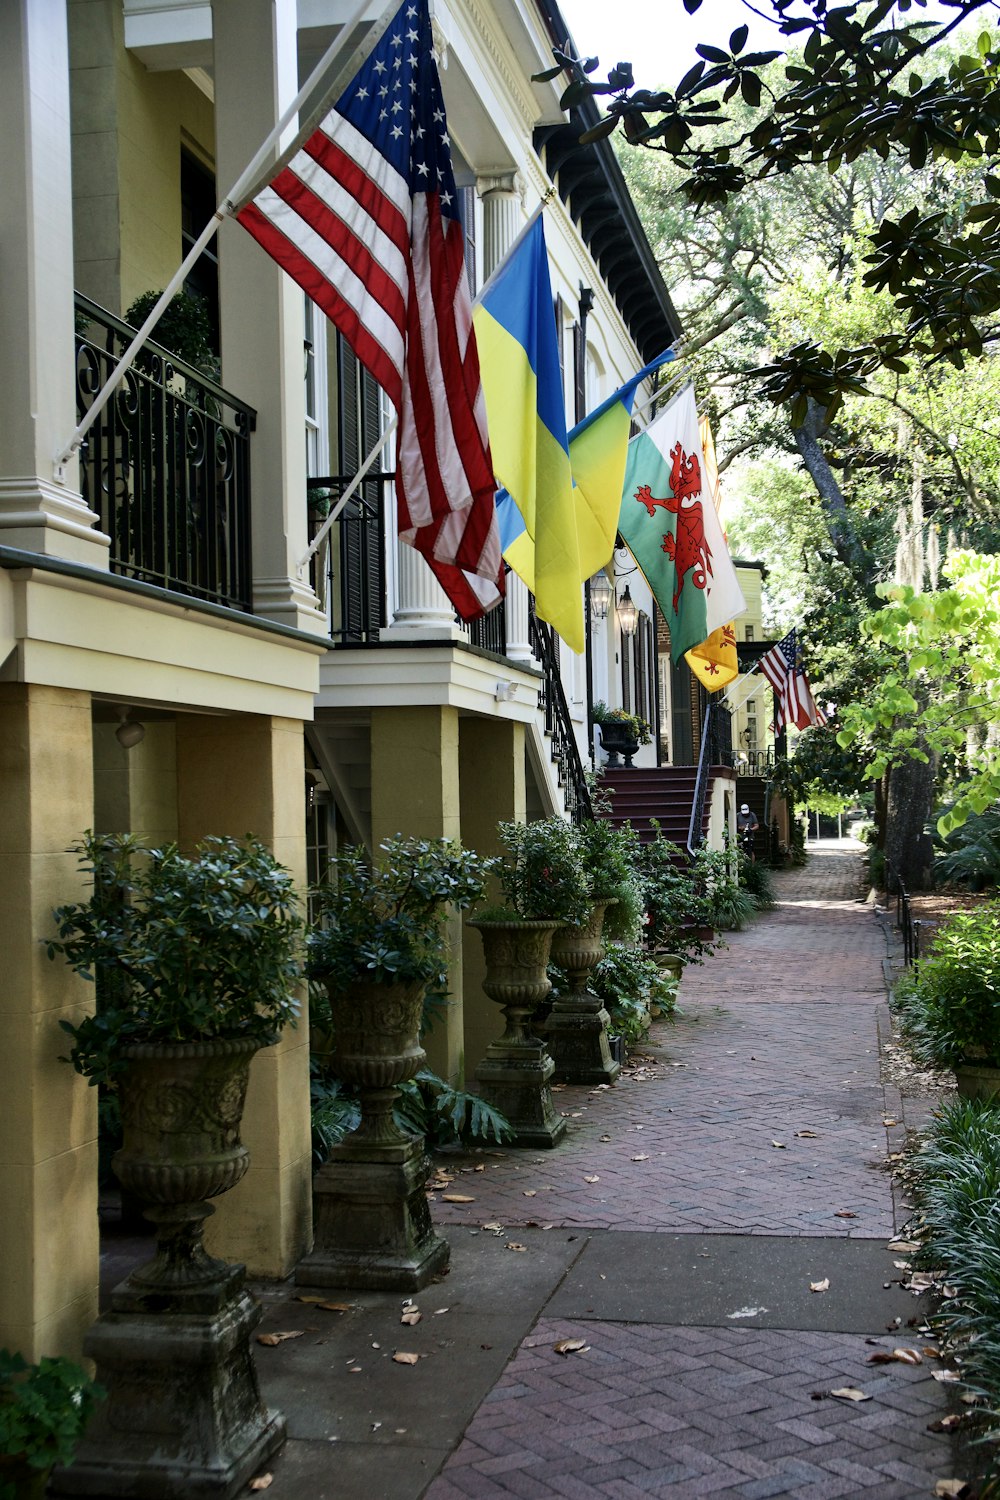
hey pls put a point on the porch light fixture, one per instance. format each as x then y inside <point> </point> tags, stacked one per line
<point>129,732</point>
<point>600,596</point>
<point>627,618</point>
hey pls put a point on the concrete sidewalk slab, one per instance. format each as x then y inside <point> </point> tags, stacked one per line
<point>721,1281</point>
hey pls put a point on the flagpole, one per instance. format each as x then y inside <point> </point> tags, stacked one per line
<point>351,490</point>
<point>225,207</point>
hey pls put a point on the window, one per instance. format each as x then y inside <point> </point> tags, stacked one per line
<point>467,218</point>
<point>748,633</point>
<point>198,204</point>
<point>317,418</point>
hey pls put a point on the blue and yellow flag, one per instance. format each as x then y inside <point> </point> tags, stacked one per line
<point>598,450</point>
<point>522,383</point>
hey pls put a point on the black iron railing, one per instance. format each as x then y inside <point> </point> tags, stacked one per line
<point>348,570</point>
<point>490,632</point>
<point>716,750</point>
<point>552,701</point>
<point>166,466</point>
<point>909,926</point>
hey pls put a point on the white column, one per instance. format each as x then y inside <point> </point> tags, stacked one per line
<point>37,372</point>
<point>423,610</point>
<point>503,219</point>
<point>256,76</point>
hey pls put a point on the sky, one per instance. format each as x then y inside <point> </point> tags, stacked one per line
<point>658,37</point>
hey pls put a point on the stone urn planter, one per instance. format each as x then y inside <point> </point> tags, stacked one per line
<point>516,1073</point>
<point>372,1221</point>
<point>619,740</point>
<point>978,1078</point>
<point>184,1414</point>
<point>577,1025</point>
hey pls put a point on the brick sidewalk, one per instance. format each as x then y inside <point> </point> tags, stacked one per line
<point>758,1113</point>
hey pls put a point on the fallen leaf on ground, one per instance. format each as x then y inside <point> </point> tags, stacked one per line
<point>262,1482</point>
<point>947,1424</point>
<point>946,1377</point>
<point>907,1356</point>
<point>889,1120</point>
<point>591,1179</point>
<point>952,1487</point>
<point>411,1318</point>
<point>806,1135</point>
<point>480,1168</point>
<point>325,1306</point>
<point>604,1138</point>
<point>643,1157</point>
<point>513,1245</point>
<point>439,1310</point>
<point>456,1198</point>
<point>530,1192</point>
<point>907,1247</point>
<point>779,1145</point>
<point>571,1346</point>
<point>929,1352</point>
<point>850,1393</point>
<point>845,1213</point>
<point>400,1358</point>
<point>820,1286</point>
<point>279,1338</point>
<point>494,1228</point>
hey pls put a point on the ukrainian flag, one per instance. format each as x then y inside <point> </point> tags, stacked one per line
<point>522,385</point>
<point>598,451</point>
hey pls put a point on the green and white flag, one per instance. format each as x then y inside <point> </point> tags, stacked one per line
<point>673,531</point>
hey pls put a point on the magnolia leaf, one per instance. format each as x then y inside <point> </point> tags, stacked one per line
<point>850,1393</point>
<point>845,1213</point>
<point>643,1157</point>
<point>908,1247</point>
<point>279,1338</point>
<point>514,1245</point>
<point>591,1179</point>
<point>779,1145</point>
<point>456,1198</point>
<point>400,1358</point>
<point>907,1356</point>
<point>953,1487</point>
<point>530,1193</point>
<point>411,1318</point>
<point>806,1135</point>
<point>820,1286</point>
<point>571,1346</point>
<point>948,1423</point>
<point>946,1377</point>
<point>262,1482</point>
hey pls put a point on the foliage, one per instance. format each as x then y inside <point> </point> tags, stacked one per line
<point>334,1109</point>
<point>730,905</point>
<point>446,1116</point>
<point>44,1410</point>
<point>937,694</point>
<point>949,1010</point>
<point>678,908</point>
<point>866,82</point>
<point>638,729</point>
<point>182,948</point>
<point>184,328</point>
<point>610,855</point>
<point>954,1183</point>
<point>755,880</point>
<point>970,854</point>
<point>629,982</point>
<point>542,875</point>
<point>385,921</point>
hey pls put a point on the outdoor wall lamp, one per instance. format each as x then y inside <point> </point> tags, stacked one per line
<point>129,732</point>
<point>600,596</point>
<point>627,617</point>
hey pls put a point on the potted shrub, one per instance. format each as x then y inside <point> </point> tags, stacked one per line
<point>44,1409</point>
<point>621,733</point>
<point>195,960</point>
<point>576,1028</point>
<point>949,1008</point>
<point>378,943</point>
<point>545,886</point>
<point>679,919</point>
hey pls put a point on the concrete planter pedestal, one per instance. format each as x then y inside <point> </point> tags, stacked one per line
<point>577,1026</point>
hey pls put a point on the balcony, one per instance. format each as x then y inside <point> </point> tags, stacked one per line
<point>166,466</point>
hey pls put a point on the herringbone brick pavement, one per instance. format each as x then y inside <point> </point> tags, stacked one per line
<point>758,1111</point>
<point>697,1411</point>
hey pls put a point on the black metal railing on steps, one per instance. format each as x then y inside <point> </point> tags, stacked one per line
<point>552,701</point>
<point>909,926</point>
<point>716,750</point>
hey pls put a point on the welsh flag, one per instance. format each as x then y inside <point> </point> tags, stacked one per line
<point>669,520</point>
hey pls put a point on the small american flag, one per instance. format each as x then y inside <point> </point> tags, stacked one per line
<point>784,672</point>
<point>364,216</point>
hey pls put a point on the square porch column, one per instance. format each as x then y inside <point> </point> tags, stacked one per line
<point>239,775</point>
<point>49,1247</point>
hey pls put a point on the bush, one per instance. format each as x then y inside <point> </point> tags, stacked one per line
<point>755,879</point>
<point>949,1009</point>
<point>970,855</point>
<point>44,1410</point>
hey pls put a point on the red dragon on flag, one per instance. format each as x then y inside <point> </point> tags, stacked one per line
<point>690,548</point>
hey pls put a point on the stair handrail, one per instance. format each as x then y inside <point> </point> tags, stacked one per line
<point>711,740</point>
<point>558,723</point>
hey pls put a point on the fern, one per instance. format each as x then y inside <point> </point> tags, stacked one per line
<point>446,1116</point>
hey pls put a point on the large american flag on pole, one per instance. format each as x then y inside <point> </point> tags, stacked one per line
<point>363,214</point>
<point>783,670</point>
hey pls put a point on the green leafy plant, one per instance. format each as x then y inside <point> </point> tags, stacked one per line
<point>631,983</point>
<point>970,855</point>
<point>679,912</point>
<point>184,328</point>
<point>949,1010</point>
<point>610,856</point>
<point>755,879</point>
<point>542,875</point>
<point>44,1409</point>
<point>182,948</point>
<point>384,921</point>
<point>637,727</point>
<point>446,1116</point>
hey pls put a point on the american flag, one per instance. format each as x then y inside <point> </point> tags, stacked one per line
<point>784,672</point>
<point>364,216</point>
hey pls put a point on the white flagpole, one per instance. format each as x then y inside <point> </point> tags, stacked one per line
<point>317,540</point>
<point>226,206</point>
